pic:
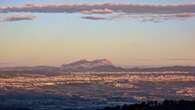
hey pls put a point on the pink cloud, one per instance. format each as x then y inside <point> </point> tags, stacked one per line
<point>18,18</point>
<point>97,11</point>
<point>184,15</point>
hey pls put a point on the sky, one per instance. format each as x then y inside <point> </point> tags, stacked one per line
<point>127,32</point>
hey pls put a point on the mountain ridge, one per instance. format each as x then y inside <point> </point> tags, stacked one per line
<point>98,65</point>
<point>94,65</point>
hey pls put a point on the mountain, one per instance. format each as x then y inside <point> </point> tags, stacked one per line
<point>29,69</point>
<point>99,65</point>
<point>189,69</point>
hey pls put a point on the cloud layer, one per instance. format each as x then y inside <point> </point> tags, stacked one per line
<point>101,8</point>
<point>153,17</point>
<point>145,12</point>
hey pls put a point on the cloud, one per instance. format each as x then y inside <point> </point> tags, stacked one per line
<point>124,8</point>
<point>156,18</point>
<point>93,18</point>
<point>97,11</point>
<point>18,18</point>
<point>153,17</point>
<point>142,12</point>
<point>184,15</point>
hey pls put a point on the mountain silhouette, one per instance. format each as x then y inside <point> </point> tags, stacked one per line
<point>98,65</point>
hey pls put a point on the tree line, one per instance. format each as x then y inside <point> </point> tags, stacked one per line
<point>154,105</point>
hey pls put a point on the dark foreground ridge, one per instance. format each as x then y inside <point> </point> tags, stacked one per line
<point>149,105</point>
<point>13,107</point>
<point>154,105</point>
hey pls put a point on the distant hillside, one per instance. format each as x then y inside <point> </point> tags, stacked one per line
<point>190,69</point>
<point>99,65</point>
<point>28,69</point>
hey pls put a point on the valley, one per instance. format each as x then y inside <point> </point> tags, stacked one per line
<point>92,90</point>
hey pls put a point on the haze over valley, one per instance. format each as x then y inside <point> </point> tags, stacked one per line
<point>97,54</point>
<point>93,84</point>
